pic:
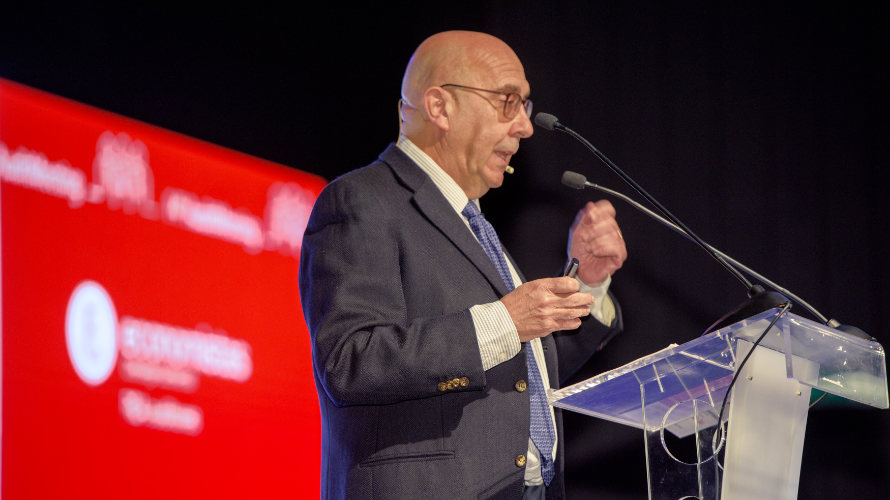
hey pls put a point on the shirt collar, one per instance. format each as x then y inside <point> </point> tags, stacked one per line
<point>449,188</point>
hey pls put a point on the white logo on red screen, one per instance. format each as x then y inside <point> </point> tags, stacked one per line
<point>91,332</point>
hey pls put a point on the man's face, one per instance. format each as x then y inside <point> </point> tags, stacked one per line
<point>483,139</point>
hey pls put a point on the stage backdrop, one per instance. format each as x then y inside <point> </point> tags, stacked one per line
<point>153,344</point>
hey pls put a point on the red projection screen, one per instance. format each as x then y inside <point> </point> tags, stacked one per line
<point>153,344</point>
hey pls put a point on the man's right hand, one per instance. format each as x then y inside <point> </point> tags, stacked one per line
<point>547,305</point>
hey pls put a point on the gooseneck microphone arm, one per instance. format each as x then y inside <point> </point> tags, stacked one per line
<point>550,122</point>
<point>578,181</point>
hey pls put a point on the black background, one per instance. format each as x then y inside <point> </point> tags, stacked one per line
<point>763,125</point>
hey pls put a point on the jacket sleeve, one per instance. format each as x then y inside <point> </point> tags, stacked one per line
<point>365,347</point>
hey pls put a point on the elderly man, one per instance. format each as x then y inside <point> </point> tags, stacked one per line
<point>431,353</point>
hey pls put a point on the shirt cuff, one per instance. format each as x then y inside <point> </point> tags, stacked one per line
<point>497,335</point>
<point>602,308</point>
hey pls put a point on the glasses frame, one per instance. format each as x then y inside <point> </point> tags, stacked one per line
<point>509,113</point>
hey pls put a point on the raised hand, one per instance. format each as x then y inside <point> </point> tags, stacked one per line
<point>596,241</point>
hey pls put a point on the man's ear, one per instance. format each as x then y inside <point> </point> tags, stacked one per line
<point>438,106</point>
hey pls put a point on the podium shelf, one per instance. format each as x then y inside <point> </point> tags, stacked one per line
<point>701,370</point>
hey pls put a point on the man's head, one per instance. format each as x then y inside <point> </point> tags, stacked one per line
<point>453,106</point>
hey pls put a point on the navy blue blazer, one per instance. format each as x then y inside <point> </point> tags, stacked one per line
<point>388,273</point>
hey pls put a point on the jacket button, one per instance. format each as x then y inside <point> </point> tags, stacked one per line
<point>520,461</point>
<point>464,382</point>
<point>520,385</point>
<point>443,386</point>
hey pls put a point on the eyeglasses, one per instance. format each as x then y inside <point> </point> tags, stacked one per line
<point>511,103</point>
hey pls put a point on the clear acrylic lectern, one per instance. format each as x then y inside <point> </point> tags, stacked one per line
<point>755,452</point>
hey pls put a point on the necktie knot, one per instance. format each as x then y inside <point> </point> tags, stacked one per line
<point>471,211</point>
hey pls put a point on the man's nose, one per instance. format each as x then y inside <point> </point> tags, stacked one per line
<point>522,125</point>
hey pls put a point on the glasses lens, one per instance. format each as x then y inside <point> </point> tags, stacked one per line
<point>511,105</point>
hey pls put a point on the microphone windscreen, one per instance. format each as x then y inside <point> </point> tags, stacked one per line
<point>546,120</point>
<point>573,179</point>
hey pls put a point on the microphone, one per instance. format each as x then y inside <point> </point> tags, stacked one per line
<point>578,181</point>
<point>548,121</point>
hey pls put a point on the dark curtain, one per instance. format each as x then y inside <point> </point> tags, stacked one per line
<point>762,125</point>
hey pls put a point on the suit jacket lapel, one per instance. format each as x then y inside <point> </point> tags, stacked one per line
<point>433,205</point>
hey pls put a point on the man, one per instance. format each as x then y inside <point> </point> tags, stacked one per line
<point>426,355</point>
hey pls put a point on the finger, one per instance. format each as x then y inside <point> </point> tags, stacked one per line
<point>569,324</point>
<point>589,233</point>
<point>562,285</point>
<point>593,212</point>
<point>609,243</point>
<point>577,299</point>
<point>563,323</point>
<point>566,313</point>
<point>604,208</point>
<point>574,312</point>
<point>604,226</point>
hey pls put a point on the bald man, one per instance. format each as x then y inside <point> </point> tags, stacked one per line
<point>427,341</point>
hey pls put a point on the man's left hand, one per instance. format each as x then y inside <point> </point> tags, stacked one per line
<point>596,241</point>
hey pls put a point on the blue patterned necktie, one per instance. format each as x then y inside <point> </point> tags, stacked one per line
<point>542,432</point>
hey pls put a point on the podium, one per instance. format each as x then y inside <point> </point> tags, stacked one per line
<point>739,423</point>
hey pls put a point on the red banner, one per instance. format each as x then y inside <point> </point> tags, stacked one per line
<point>153,344</point>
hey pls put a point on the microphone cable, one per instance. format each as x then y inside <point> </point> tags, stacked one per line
<point>738,371</point>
